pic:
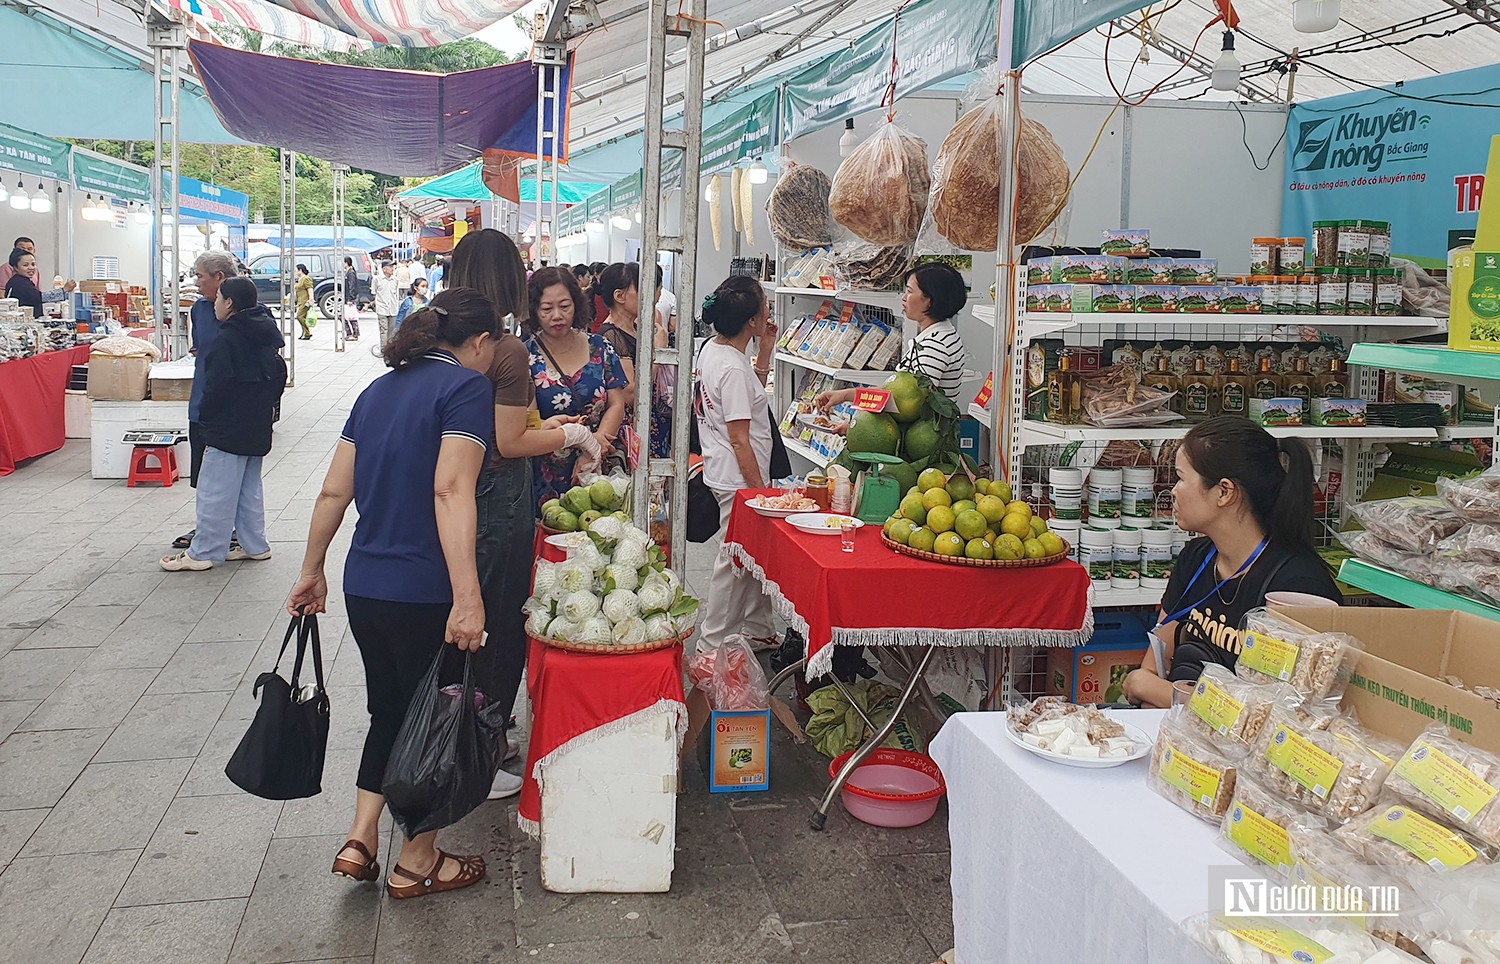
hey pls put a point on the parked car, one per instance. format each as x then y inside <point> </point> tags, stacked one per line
<point>265,270</point>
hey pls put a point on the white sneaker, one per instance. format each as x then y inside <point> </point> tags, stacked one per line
<point>181,561</point>
<point>505,785</point>
<point>237,554</point>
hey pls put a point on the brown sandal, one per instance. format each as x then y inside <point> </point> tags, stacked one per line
<point>353,869</point>
<point>472,871</point>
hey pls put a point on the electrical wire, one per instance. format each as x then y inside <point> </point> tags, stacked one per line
<point>1396,93</point>
<point>1245,139</point>
<point>1183,66</point>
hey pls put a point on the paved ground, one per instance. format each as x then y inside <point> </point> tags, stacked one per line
<point>123,690</point>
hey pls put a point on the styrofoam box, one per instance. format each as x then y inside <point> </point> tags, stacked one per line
<point>110,456</point>
<point>77,414</point>
<point>609,812</point>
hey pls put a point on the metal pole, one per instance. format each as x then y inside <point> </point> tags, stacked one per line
<point>340,341</point>
<point>1004,416</point>
<point>166,39</point>
<point>288,242</point>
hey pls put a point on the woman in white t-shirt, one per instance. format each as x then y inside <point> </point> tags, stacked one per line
<point>934,295</point>
<point>734,429</point>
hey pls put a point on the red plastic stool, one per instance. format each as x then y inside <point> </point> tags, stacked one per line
<point>164,471</point>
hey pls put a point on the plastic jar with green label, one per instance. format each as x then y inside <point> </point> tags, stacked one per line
<point>1380,242</point>
<point>1387,291</point>
<point>1360,291</point>
<point>1325,243</point>
<point>1353,245</point>
<point>1333,291</point>
<point>1096,553</point>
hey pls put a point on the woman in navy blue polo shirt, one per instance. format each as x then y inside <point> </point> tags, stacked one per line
<point>409,457</point>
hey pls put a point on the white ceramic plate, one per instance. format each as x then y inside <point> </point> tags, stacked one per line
<point>816,523</point>
<point>774,513</point>
<point>1143,747</point>
<point>810,420</point>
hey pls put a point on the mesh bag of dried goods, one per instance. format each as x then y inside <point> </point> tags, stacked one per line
<point>1254,828</point>
<point>1476,498</point>
<point>1266,940</point>
<point>1190,773</point>
<point>1415,565</point>
<point>1397,836</point>
<point>1228,712</point>
<point>1413,523</point>
<point>966,180</point>
<point>880,191</point>
<point>1337,778</point>
<point>1317,665</point>
<point>1446,778</point>
<point>797,209</point>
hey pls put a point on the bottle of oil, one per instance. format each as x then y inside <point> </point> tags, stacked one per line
<point>1163,380</point>
<point>1266,383</point>
<point>1065,393</point>
<point>1198,396</point>
<point>1234,390</point>
<point>1298,383</point>
<point>1333,383</point>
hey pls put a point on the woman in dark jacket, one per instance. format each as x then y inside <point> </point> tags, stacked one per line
<point>20,286</point>
<point>243,378</point>
<point>351,300</point>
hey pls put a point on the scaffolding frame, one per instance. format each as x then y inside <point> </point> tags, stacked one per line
<point>289,261</point>
<point>550,58</point>
<point>663,24</point>
<point>340,335</point>
<point>167,42</point>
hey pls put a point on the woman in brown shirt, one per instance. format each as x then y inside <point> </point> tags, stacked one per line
<point>506,526</point>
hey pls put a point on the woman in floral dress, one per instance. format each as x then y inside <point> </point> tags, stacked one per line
<point>576,374</point>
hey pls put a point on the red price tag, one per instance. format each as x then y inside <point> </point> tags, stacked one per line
<point>983,398</point>
<point>871,399</point>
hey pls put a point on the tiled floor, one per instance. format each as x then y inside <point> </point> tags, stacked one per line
<point>123,690</point>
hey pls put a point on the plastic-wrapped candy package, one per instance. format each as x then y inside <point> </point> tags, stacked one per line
<point>1452,781</point>
<point>1227,712</point>
<point>1413,523</point>
<point>1254,940</point>
<point>1317,665</point>
<point>1191,773</point>
<point>1335,777</point>
<point>1395,835</point>
<point>1476,498</point>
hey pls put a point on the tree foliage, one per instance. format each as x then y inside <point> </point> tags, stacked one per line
<point>256,171</point>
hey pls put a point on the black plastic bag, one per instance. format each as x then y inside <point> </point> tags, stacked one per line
<point>280,757</point>
<point>446,753</point>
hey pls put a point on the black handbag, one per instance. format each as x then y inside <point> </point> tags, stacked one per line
<point>280,757</point>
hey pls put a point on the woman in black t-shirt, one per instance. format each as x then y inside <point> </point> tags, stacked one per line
<point>1252,498</point>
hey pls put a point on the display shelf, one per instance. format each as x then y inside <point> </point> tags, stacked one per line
<point>1120,598</point>
<point>979,413</point>
<point>1050,433</point>
<point>1460,366</point>
<point>803,451</point>
<point>889,300</point>
<point>1469,430</point>
<point>1396,587</point>
<point>852,376</point>
<point>1046,322</point>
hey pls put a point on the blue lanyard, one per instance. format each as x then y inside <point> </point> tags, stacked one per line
<point>1211,555</point>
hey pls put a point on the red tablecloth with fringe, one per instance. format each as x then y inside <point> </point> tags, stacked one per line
<point>31,404</point>
<point>578,697</point>
<point>875,597</point>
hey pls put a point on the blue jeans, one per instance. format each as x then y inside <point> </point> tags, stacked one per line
<point>230,501</point>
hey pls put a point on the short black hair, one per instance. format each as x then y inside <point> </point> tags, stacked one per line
<point>944,287</point>
<point>239,292</point>
<point>581,270</point>
<point>23,239</point>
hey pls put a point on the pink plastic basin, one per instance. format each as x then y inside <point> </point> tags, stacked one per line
<point>892,788</point>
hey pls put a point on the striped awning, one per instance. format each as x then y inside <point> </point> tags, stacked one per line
<point>406,23</point>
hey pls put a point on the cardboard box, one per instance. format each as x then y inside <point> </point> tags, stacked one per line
<point>114,378</point>
<point>739,752</point>
<point>1095,672</point>
<point>1397,687</point>
<point>171,389</point>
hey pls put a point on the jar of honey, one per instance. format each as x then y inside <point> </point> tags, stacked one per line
<point>818,490</point>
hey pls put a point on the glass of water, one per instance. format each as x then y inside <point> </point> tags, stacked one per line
<point>846,535</point>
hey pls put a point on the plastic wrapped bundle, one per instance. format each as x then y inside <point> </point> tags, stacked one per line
<point>869,266</point>
<point>880,191</point>
<point>1331,776</point>
<point>1450,780</point>
<point>966,180</point>
<point>1228,712</point>
<point>1255,825</point>
<point>1190,773</point>
<point>1255,940</point>
<point>1476,498</point>
<point>1413,523</point>
<point>1396,836</point>
<point>1317,665</point>
<point>797,209</point>
<point>1420,566</point>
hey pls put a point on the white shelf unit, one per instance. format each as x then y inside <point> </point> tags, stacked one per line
<point>1121,598</point>
<point>1050,433</point>
<point>788,383</point>
<point>1040,323</point>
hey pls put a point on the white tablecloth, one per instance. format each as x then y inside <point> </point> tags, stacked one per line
<point>1054,863</point>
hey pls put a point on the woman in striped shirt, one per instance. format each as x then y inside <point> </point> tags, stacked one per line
<point>934,295</point>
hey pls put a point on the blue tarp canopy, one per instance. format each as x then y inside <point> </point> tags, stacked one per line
<point>321,236</point>
<point>62,83</point>
<point>467,184</point>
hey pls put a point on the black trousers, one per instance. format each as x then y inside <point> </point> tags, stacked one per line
<point>505,537</point>
<point>397,642</point>
<point>196,445</point>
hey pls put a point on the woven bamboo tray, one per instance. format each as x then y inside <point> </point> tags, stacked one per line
<point>978,563</point>
<point>613,649</point>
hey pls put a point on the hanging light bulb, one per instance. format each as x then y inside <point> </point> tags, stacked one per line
<point>1314,16</point>
<point>1226,71</point>
<point>142,214</point>
<point>41,202</point>
<point>757,172</point>
<point>849,140</point>
<point>638,215</point>
<point>19,199</point>
<point>4,193</point>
